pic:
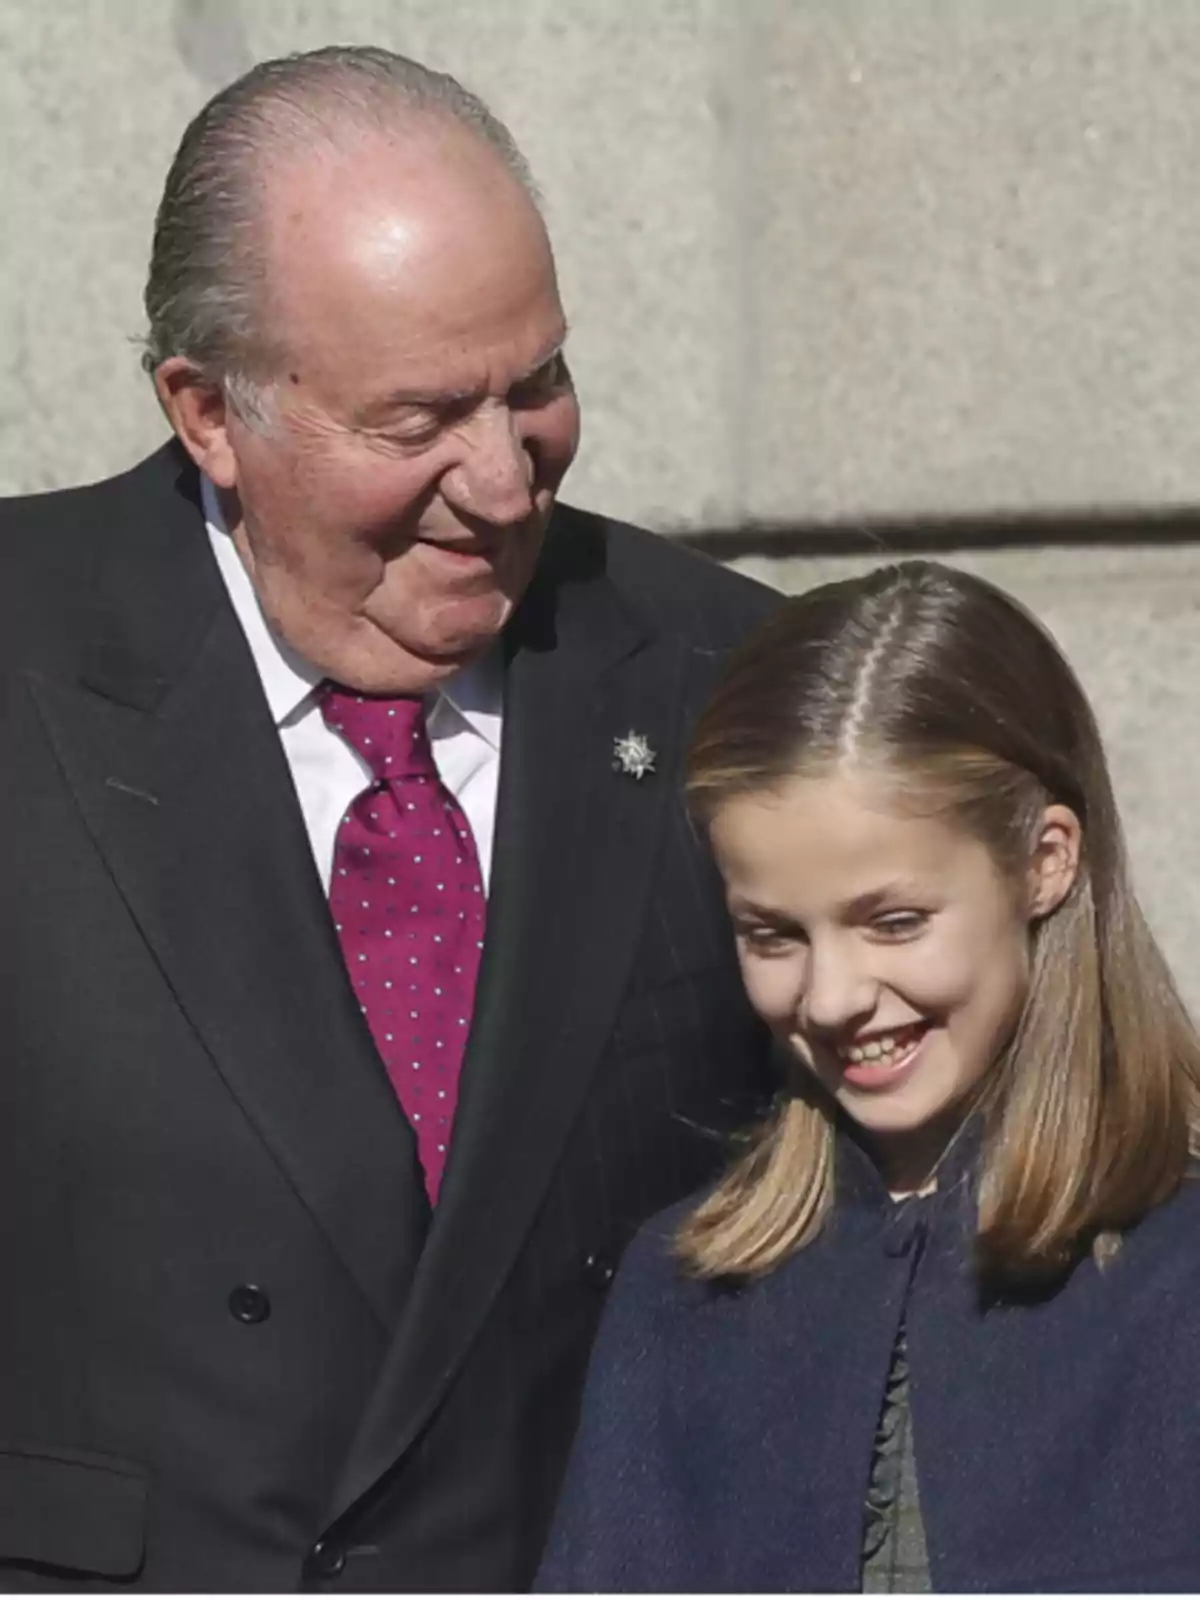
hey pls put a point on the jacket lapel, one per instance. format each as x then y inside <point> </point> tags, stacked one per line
<point>167,743</point>
<point>575,841</point>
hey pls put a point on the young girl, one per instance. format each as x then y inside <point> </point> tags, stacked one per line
<point>939,1327</point>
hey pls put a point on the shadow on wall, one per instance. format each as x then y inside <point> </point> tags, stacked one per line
<point>908,536</point>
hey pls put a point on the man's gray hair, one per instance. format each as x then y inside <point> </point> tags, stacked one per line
<point>204,290</point>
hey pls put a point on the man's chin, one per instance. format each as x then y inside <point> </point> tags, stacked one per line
<point>370,657</point>
<point>395,669</point>
<point>459,632</point>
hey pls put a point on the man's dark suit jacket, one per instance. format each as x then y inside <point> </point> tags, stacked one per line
<point>235,1350</point>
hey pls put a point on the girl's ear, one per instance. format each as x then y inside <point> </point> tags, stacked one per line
<point>1054,863</point>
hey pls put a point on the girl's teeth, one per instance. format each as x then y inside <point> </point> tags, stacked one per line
<point>881,1049</point>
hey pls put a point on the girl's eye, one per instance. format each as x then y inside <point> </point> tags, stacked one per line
<point>900,924</point>
<point>764,941</point>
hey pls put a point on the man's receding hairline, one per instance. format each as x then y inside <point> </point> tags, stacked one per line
<point>281,117</point>
<point>315,180</point>
<point>279,166</point>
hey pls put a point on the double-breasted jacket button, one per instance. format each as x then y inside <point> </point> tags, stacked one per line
<point>599,1269</point>
<point>249,1303</point>
<point>326,1559</point>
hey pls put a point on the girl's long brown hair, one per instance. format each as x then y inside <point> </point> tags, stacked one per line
<point>954,694</point>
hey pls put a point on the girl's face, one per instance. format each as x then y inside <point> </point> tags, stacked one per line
<point>887,949</point>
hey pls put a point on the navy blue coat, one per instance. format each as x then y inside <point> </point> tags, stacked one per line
<point>727,1432</point>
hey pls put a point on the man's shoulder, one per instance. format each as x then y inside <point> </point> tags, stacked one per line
<point>50,549</point>
<point>66,552</point>
<point>681,590</point>
<point>44,510</point>
<point>40,526</point>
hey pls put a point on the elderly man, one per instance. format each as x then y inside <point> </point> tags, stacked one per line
<point>311,1190</point>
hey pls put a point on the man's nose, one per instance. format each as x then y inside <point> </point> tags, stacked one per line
<point>493,477</point>
<point>840,988</point>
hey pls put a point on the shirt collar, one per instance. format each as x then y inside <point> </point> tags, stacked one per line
<point>473,695</point>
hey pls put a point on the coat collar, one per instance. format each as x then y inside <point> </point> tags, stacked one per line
<point>860,1185</point>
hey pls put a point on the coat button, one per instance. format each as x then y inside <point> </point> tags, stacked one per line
<point>599,1270</point>
<point>249,1303</point>
<point>327,1558</point>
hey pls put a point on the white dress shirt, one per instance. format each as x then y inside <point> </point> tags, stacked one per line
<point>464,720</point>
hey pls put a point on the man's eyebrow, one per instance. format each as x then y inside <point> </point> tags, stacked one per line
<point>556,349</point>
<point>398,398</point>
<point>550,354</point>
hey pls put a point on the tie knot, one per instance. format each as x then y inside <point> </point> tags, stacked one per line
<point>390,735</point>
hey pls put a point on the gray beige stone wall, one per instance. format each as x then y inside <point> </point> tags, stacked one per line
<point>827,262</point>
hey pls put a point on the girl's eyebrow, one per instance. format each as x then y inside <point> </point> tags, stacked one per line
<point>739,905</point>
<point>862,905</point>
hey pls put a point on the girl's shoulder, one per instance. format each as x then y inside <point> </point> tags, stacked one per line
<point>652,1271</point>
<point>1175,1221</point>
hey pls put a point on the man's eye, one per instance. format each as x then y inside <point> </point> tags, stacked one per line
<point>551,375</point>
<point>416,427</point>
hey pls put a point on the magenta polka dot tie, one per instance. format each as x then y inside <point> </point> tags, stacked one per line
<point>407,899</point>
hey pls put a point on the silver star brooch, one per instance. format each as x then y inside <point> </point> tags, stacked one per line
<point>632,755</point>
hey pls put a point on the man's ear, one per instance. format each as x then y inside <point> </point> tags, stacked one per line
<point>198,410</point>
<point>1054,863</point>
